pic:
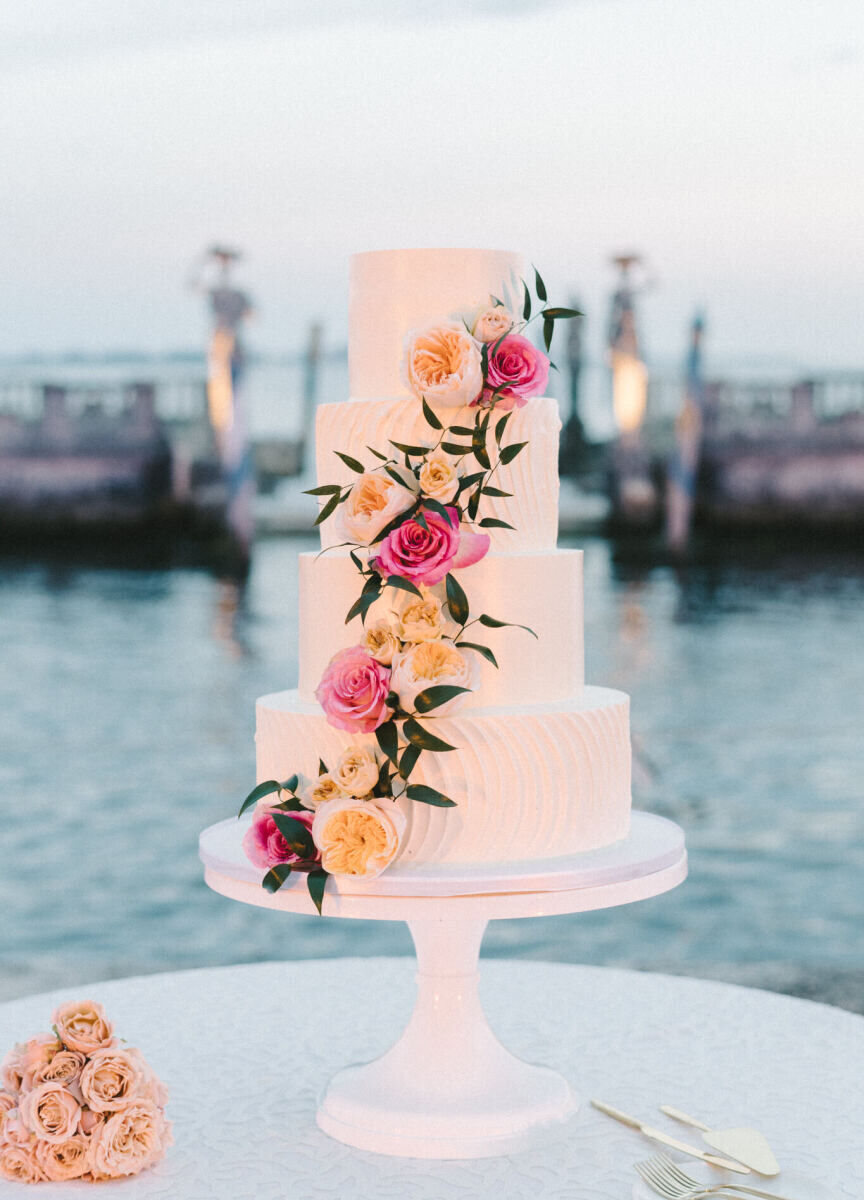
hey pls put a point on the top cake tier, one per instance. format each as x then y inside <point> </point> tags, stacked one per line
<point>392,292</point>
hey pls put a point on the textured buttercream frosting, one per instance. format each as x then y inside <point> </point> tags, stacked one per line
<point>529,783</point>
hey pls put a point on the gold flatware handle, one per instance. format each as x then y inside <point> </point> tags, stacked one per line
<point>657,1135</point>
<point>740,1190</point>
<point>677,1115</point>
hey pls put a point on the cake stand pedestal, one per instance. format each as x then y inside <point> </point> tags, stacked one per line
<point>448,1088</point>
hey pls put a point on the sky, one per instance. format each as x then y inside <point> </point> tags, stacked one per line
<point>722,139</point>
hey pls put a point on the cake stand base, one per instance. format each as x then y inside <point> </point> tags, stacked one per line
<point>448,1088</point>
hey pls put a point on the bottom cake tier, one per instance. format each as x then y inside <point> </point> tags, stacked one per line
<point>532,783</point>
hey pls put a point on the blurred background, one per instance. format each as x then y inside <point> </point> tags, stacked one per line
<point>182,188</point>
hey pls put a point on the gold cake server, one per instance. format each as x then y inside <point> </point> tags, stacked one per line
<point>749,1146</point>
<point>657,1135</point>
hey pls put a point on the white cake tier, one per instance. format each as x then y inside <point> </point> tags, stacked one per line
<point>532,477</point>
<point>392,292</point>
<point>542,591</point>
<point>529,783</point>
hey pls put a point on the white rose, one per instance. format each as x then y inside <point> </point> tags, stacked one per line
<point>439,477</point>
<point>381,642</point>
<point>442,365</point>
<point>356,772</point>
<point>358,837</point>
<point>493,323</point>
<point>433,664</point>
<point>374,501</point>
<point>421,620</point>
<point>324,789</point>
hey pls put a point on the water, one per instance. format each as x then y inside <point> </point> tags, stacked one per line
<point>126,725</point>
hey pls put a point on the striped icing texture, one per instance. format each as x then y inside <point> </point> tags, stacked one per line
<point>352,426</point>
<point>529,784</point>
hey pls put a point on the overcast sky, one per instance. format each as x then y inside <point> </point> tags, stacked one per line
<point>722,138</point>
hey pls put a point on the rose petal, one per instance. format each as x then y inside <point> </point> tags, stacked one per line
<point>472,547</point>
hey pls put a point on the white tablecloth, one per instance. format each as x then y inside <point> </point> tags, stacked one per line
<point>245,1050</point>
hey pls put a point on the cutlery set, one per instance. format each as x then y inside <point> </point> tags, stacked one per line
<point>741,1151</point>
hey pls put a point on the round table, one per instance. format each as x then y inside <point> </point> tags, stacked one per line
<point>244,1049</point>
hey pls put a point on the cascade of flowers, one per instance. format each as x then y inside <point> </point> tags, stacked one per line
<point>76,1104</point>
<point>411,519</point>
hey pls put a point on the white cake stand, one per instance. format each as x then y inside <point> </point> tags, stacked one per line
<point>448,1088</point>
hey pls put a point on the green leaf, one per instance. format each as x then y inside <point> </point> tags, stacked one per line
<point>316,881</point>
<point>497,303</point>
<point>328,508</point>
<point>384,785</point>
<point>387,736</point>
<point>539,286</point>
<point>435,506</point>
<point>429,795</point>
<point>488,490</point>
<point>396,476</point>
<point>372,584</point>
<point>431,419</point>
<point>290,785</point>
<point>526,307</point>
<point>408,761</point>
<point>469,480</point>
<point>274,878</point>
<point>262,789</point>
<point>353,463</point>
<point>421,521</point>
<point>326,489</point>
<point>455,449</point>
<point>484,650</point>
<point>414,451</point>
<point>494,523</point>
<point>355,558</point>
<point>398,520</point>
<point>422,738</point>
<point>361,606</point>
<point>500,427</point>
<point>548,330</point>
<point>457,601</point>
<point>433,697</point>
<point>377,453</point>
<point>292,804</point>
<point>295,834</point>
<point>510,452</point>
<point>474,504</point>
<point>322,767</point>
<point>556,314</point>
<point>494,623</point>
<point>399,581</point>
<point>478,445</point>
<point>461,430</point>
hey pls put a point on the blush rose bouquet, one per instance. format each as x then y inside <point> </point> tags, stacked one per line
<point>76,1104</point>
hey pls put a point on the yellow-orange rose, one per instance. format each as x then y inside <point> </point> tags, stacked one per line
<point>374,500</point>
<point>358,837</point>
<point>323,789</point>
<point>381,642</point>
<point>434,664</point>
<point>493,323</point>
<point>356,772</point>
<point>442,365</point>
<point>83,1026</point>
<point>50,1112</point>
<point>439,478</point>
<point>64,1160</point>
<point>64,1067</point>
<point>19,1163</point>
<point>110,1080</point>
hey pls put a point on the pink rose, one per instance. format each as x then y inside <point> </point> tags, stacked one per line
<point>83,1026</point>
<point>64,1160</point>
<point>266,846</point>
<point>19,1163</point>
<point>64,1067</point>
<point>129,1141</point>
<point>51,1112</point>
<point>110,1080</point>
<point>426,555</point>
<point>353,691</point>
<point>516,371</point>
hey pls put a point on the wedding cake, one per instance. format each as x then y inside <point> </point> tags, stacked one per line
<point>447,719</point>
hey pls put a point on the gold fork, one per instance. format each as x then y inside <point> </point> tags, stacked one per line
<point>667,1179</point>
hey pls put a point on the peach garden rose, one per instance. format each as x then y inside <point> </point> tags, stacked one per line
<point>439,477</point>
<point>50,1111</point>
<point>129,1141</point>
<point>321,790</point>
<point>492,323</point>
<point>374,501</point>
<point>83,1026</point>
<point>442,365</point>
<point>435,664</point>
<point>380,641</point>
<point>358,837</point>
<point>64,1160</point>
<point>110,1080</point>
<point>64,1067</point>
<point>356,772</point>
<point>19,1164</point>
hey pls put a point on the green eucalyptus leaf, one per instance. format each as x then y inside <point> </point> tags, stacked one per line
<point>384,786</point>
<point>494,623</point>
<point>455,449</point>
<point>387,736</point>
<point>431,419</point>
<point>509,452</point>
<point>457,601</point>
<point>274,878</point>
<point>372,584</point>
<point>433,697</point>
<point>329,507</point>
<point>290,785</point>
<point>500,427</point>
<point>539,287</point>
<point>361,606</point>
<point>398,520</point>
<point>488,490</point>
<point>436,506</point>
<point>480,452</point>
<point>461,430</point>
<point>483,650</point>
<point>548,331</point>
<point>408,761</point>
<point>292,804</point>
<point>356,559</point>
<point>422,738</point>
<point>316,881</point>
<point>322,767</point>
<point>295,834</point>
<point>497,303</point>
<point>377,453</point>
<point>469,480</point>
<point>353,463</point>
<point>326,489</point>
<point>494,523</point>
<point>258,792</point>
<point>557,314</point>
<point>414,451</point>
<point>474,504</point>
<point>399,581</point>
<point>397,477</point>
<point>526,305</point>
<point>421,521</point>
<point>429,795</point>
